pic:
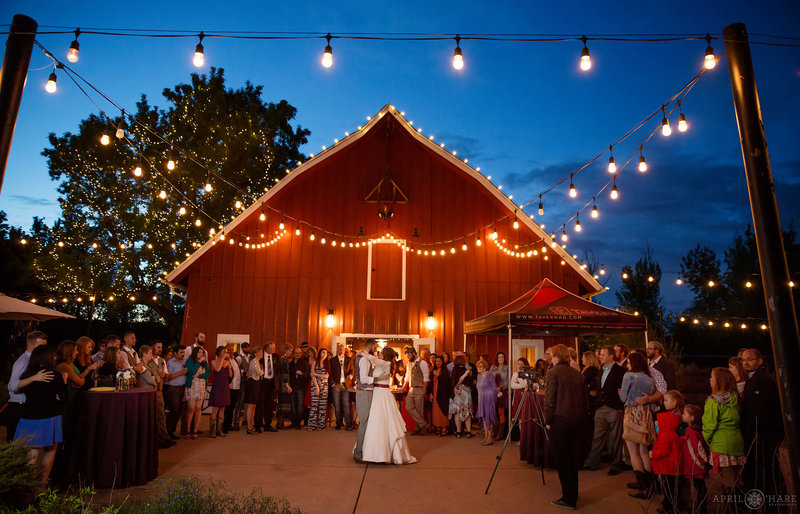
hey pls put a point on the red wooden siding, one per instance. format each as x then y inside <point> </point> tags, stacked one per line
<point>283,292</point>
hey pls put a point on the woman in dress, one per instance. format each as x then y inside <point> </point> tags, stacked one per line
<point>83,360</point>
<point>461,398</point>
<point>312,359</point>
<point>385,438</point>
<point>722,431</point>
<point>487,400</point>
<point>255,372</point>
<point>40,422</point>
<point>441,396</point>
<point>107,372</point>
<point>220,391</point>
<point>500,368</point>
<point>65,365</point>
<point>195,389</point>
<point>319,391</point>
<point>284,410</point>
<point>635,383</point>
<point>591,380</point>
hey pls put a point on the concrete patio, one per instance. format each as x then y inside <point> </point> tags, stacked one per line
<point>315,472</point>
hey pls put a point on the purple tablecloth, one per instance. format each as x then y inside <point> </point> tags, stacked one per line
<point>117,444</point>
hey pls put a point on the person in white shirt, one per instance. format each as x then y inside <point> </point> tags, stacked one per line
<point>235,388</point>
<point>341,371</point>
<point>266,404</point>
<point>418,376</point>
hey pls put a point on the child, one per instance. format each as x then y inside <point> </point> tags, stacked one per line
<point>694,460</point>
<point>674,403</point>
<point>666,457</point>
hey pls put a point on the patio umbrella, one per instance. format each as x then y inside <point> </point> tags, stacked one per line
<point>11,308</point>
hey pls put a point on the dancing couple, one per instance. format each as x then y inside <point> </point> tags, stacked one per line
<point>381,431</point>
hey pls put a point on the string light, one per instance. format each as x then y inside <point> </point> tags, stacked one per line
<point>577,223</point>
<point>541,206</point>
<point>602,270</point>
<point>458,58</point>
<point>564,236</point>
<point>162,194</point>
<point>710,60</point>
<point>624,276</point>
<point>651,279</point>
<point>74,47</point>
<point>642,162</point>
<point>572,191</point>
<point>105,140</point>
<point>237,204</point>
<point>595,212</point>
<point>478,241</point>
<point>120,133</point>
<point>614,191</point>
<point>198,222</point>
<point>748,284</point>
<point>281,225</point>
<point>711,283</point>
<point>612,167</point>
<point>516,223</point>
<point>51,86</point>
<point>327,55</point>
<point>586,60</point>
<point>665,128</point>
<point>182,211</point>
<point>171,161</point>
<point>262,216</point>
<point>199,57</point>
<point>208,187</point>
<point>678,281</point>
<point>297,231</point>
<point>682,125</point>
<point>137,171</point>
<point>311,237</point>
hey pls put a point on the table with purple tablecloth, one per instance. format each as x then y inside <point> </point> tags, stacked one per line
<point>117,438</point>
<point>532,443</point>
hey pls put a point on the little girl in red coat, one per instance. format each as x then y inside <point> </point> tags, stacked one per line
<point>666,454</point>
<point>694,461</point>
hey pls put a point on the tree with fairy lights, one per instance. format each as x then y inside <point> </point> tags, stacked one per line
<point>135,205</point>
<point>640,290</point>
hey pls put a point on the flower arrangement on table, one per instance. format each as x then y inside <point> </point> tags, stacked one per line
<point>125,380</point>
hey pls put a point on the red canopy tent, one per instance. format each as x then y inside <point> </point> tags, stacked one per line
<point>548,310</point>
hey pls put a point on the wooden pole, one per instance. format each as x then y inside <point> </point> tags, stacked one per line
<point>19,46</point>
<point>769,237</point>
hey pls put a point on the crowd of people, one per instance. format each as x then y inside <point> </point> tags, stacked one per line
<point>627,410</point>
<point>698,458</point>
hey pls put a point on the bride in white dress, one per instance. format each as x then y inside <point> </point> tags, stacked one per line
<point>385,439</point>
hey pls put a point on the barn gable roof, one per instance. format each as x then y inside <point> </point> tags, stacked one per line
<point>178,275</point>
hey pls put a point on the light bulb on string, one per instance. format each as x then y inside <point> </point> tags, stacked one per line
<point>564,236</point>
<point>105,140</point>
<point>162,194</point>
<point>709,60</point>
<point>642,162</point>
<point>614,191</point>
<point>577,223</point>
<point>238,204</point>
<point>51,85</point>
<point>682,125</point>
<point>572,191</point>
<point>120,133</point>
<point>612,166</point>
<point>74,47</point>
<point>262,216</point>
<point>199,59</point>
<point>586,60</point>
<point>665,128</point>
<point>602,270</point>
<point>541,206</point>
<point>170,161</point>
<point>208,187</point>
<point>516,223</point>
<point>181,211</point>
<point>327,55</point>
<point>458,57</point>
<point>198,222</point>
<point>595,212</point>
<point>478,241</point>
<point>281,225</point>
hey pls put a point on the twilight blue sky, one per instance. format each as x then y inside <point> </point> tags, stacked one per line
<point>523,112</point>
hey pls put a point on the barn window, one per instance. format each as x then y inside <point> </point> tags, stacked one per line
<point>386,272</point>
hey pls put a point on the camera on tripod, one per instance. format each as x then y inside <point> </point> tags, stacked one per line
<point>528,373</point>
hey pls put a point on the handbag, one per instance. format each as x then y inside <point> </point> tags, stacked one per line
<point>637,425</point>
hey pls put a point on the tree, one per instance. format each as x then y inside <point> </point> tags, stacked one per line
<point>641,290</point>
<point>16,273</point>
<point>116,235</point>
<point>700,268</point>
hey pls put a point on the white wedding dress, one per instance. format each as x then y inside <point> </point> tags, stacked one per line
<point>385,439</point>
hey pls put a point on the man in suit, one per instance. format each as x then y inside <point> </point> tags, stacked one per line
<point>608,415</point>
<point>269,384</point>
<point>621,355</point>
<point>762,425</point>
<point>565,407</point>
<point>341,371</point>
<point>364,387</point>
<point>655,353</point>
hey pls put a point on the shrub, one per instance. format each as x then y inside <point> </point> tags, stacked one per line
<point>190,495</point>
<point>19,481</point>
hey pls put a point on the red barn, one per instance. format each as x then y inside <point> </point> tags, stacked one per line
<point>385,234</point>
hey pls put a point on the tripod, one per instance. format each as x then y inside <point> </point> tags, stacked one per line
<point>529,391</point>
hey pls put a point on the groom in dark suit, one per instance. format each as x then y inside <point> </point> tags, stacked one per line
<point>341,372</point>
<point>268,386</point>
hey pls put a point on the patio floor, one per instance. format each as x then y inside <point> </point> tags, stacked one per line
<point>315,472</point>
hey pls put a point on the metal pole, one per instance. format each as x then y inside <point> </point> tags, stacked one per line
<point>769,238</point>
<point>12,81</point>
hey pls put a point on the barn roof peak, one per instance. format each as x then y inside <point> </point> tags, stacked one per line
<point>179,274</point>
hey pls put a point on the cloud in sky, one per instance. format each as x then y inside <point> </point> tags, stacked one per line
<point>33,200</point>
